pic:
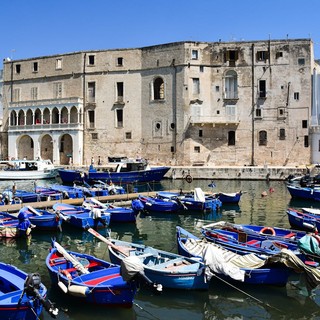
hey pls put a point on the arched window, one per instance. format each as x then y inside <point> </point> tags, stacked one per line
<point>231,138</point>
<point>262,138</point>
<point>231,85</point>
<point>158,89</point>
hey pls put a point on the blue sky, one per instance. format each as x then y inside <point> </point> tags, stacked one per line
<point>32,28</point>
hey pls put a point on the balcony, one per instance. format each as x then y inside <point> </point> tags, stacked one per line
<point>50,103</point>
<point>46,127</point>
<point>214,120</point>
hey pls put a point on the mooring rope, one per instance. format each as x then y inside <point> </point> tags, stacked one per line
<point>247,294</point>
<point>145,311</point>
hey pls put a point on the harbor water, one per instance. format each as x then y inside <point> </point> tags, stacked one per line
<point>222,301</point>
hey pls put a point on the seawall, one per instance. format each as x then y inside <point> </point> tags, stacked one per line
<point>234,173</point>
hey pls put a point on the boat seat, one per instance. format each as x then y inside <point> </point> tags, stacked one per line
<point>91,265</point>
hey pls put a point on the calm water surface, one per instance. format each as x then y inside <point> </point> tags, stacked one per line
<point>221,302</point>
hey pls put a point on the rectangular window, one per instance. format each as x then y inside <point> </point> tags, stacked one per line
<point>91,59</point>
<point>231,138</point>
<point>306,141</point>
<point>128,135</point>
<point>57,90</point>
<point>119,61</point>
<point>16,95</point>
<point>120,91</point>
<point>258,113</point>
<point>217,88</point>
<point>91,117</point>
<point>91,98</point>
<point>296,96</point>
<point>231,56</point>
<point>282,134</point>
<point>262,55</point>
<point>201,68</point>
<point>34,93</point>
<point>197,149</point>
<point>200,133</point>
<point>262,89</point>
<point>319,145</point>
<point>304,124</point>
<point>279,54</point>
<point>281,113</point>
<point>58,63</point>
<point>195,85</point>
<point>119,118</point>
<point>18,68</point>
<point>94,136</point>
<point>194,55</point>
<point>230,110</point>
<point>301,61</point>
<point>35,67</point>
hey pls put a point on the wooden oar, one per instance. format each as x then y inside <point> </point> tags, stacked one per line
<point>70,258</point>
<point>108,242</point>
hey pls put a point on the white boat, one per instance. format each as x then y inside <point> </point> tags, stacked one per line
<point>27,169</point>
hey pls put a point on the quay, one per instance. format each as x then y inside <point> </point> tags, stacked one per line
<point>119,199</point>
<point>201,171</point>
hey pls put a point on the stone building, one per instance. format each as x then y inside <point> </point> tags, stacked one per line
<point>183,103</point>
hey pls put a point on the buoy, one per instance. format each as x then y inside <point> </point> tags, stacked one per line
<point>78,291</point>
<point>264,194</point>
<point>268,231</point>
<point>271,189</point>
<point>62,287</point>
<point>188,178</point>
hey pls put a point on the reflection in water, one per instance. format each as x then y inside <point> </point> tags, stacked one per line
<point>158,230</point>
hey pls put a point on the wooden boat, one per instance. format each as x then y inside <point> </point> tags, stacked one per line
<point>242,242</point>
<point>71,192</point>
<point>249,268</point>
<point>22,296</point>
<point>167,269</point>
<point>306,193</point>
<point>303,221</point>
<point>41,219</point>
<point>14,227</point>
<point>259,232</point>
<point>126,171</point>
<point>88,278</point>
<point>196,200</point>
<point>117,214</point>
<point>48,194</point>
<point>27,169</point>
<point>229,198</point>
<point>159,205</point>
<point>80,217</point>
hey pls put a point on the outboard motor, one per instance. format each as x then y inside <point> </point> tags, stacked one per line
<point>137,205</point>
<point>31,289</point>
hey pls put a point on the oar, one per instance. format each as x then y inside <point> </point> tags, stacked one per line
<point>108,242</point>
<point>70,258</point>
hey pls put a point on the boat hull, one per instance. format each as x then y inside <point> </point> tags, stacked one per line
<point>28,309</point>
<point>154,174</point>
<point>103,285</point>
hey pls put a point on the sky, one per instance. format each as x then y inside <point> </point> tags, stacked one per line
<point>35,28</point>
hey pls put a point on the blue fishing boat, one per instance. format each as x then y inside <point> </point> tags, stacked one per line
<point>22,296</point>
<point>117,214</point>
<point>14,227</point>
<point>196,200</point>
<point>260,232</point>
<point>41,219</point>
<point>88,278</point>
<point>303,221</point>
<point>242,242</point>
<point>306,193</point>
<point>155,204</point>
<point>14,196</point>
<point>48,194</point>
<point>80,217</point>
<point>167,269</point>
<point>249,268</point>
<point>229,198</point>
<point>126,171</point>
<point>71,192</point>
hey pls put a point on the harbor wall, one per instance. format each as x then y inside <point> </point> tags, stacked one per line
<point>234,173</point>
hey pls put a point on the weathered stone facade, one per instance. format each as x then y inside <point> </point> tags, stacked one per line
<point>184,103</point>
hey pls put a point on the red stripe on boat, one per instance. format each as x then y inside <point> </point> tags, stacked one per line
<point>94,282</point>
